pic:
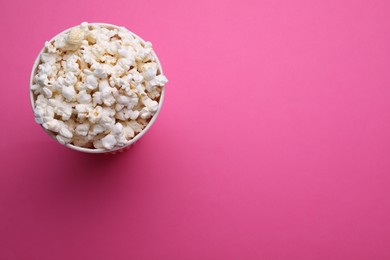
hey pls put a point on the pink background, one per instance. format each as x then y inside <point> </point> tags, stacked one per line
<point>273,142</point>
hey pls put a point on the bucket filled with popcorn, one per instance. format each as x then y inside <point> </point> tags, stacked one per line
<point>97,88</point>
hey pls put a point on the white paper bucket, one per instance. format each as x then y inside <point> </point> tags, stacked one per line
<point>90,150</point>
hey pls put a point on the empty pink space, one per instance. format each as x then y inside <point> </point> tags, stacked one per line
<point>273,141</point>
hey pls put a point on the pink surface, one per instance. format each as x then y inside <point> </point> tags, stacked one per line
<point>273,142</point>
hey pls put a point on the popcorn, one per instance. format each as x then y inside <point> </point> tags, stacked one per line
<point>96,129</point>
<point>50,47</point>
<point>136,76</point>
<point>47,92</point>
<point>45,69</point>
<point>109,141</point>
<point>128,132</point>
<point>84,26</point>
<point>159,80</point>
<point>150,104</point>
<point>83,110</point>
<point>106,93</point>
<point>82,129</point>
<point>69,93</point>
<point>95,115</point>
<point>75,37</point>
<point>143,52</point>
<point>71,124</point>
<point>117,129</point>
<point>80,86</point>
<point>62,139</point>
<point>41,79</point>
<point>91,82</point>
<point>96,87</point>
<point>70,79</point>
<point>123,100</point>
<point>64,110</point>
<point>135,126</point>
<point>133,115</point>
<point>145,113</point>
<point>71,64</point>
<point>83,97</point>
<point>98,144</point>
<point>53,125</point>
<point>149,71</point>
<point>49,58</point>
<point>97,98</point>
<point>65,132</point>
<point>99,71</point>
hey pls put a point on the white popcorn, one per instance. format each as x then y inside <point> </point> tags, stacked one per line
<point>71,124</point>
<point>140,88</point>
<point>126,52</point>
<point>128,132</point>
<point>65,132</point>
<point>107,121</point>
<point>96,114</point>
<point>117,129</point>
<point>123,100</point>
<point>96,87</point>
<point>70,79</point>
<point>82,129</point>
<point>143,53</point>
<point>97,98</point>
<point>159,80</point>
<point>50,47</point>
<point>113,47</point>
<point>96,129</point>
<point>121,140</point>
<point>83,97</point>
<point>84,26</point>
<point>150,104</point>
<point>35,88</point>
<point>91,82</point>
<point>109,141</point>
<point>117,71</point>
<point>149,70</point>
<point>106,93</point>
<point>69,93</point>
<point>104,87</point>
<point>121,115</point>
<point>75,37</point>
<point>109,101</point>
<point>133,101</point>
<point>47,92</point>
<point>42,79</point>
<point>98,144</point>
<point>71,64</point>
<point>119,107</point>
<point>80,86</point>
<point>133,115</point>
<point>124,82</point>
<point>83,110</point>
<point>135,126</point>
<point>125,63</point>
<point>61,108</point>
<point>120,136</point>
<point>62,139</point>
<point>53,125</point>
<point>136,76</point>
<point>145,113</point>
<point>50,58</point>
<point>45,69</point>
